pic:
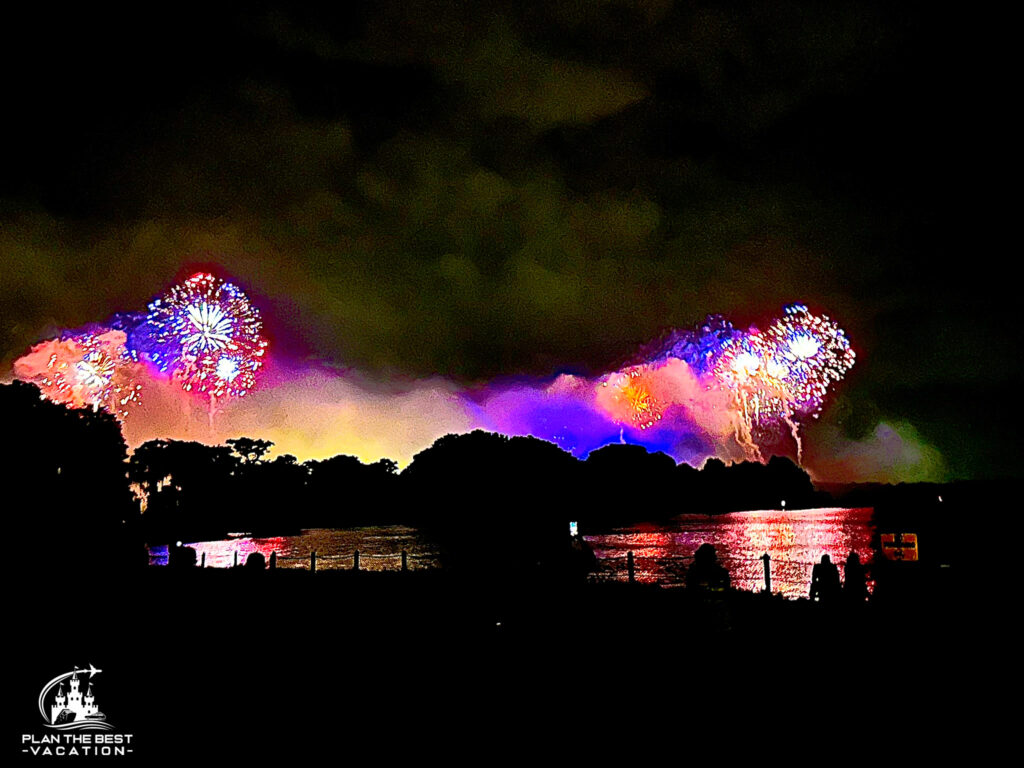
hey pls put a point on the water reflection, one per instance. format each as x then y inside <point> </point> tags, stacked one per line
<point>380,549</point>
<point>794,540</point>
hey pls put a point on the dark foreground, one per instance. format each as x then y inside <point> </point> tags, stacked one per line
<point>202,665</point>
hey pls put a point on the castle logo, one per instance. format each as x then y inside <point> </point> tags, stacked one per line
<point>74,724</point>
<point>73,709</point>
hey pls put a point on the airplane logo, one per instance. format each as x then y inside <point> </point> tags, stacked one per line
<point>92,671</point>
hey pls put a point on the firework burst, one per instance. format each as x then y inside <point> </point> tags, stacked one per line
<point>815,353</point>
<point>93,369</point>
<point>750,368</point>
<point>629,397</point>
<point>206,334</point>
<point>770,381</point>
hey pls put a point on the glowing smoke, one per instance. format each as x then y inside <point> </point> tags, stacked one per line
<point>713,390</point>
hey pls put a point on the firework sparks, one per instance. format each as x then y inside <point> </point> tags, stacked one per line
<point>815,352</point>
<point>92,369</point>
<point>711,390</point>
<point>210,326</point>
<point>207,335</point>
<point>630,399</point>
<point>771,380</point>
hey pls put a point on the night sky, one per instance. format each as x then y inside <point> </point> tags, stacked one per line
<point>429,197</point>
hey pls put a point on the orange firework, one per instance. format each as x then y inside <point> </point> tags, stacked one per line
<point>627,396</point>
<point>86,370</point>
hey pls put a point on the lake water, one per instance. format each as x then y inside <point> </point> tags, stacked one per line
<point>794,539</point>
<point>380,549</point>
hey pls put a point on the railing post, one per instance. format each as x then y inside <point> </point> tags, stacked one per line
<point>312,561</point>
<point>405,561</point>
<point>629,567</point>
<point>355,560</point>
<point>767,572</point>
<point>236,558</point>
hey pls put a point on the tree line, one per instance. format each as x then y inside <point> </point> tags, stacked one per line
<point>81,491</point>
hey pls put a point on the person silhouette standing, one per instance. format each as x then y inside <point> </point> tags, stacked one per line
<point>855,587</point>
<point>705,573</point>
<point>825,581</point>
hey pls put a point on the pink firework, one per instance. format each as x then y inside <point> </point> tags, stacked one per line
<point>86,370</point>
<point>208,336</point>
<point>750,370</point>
<point>813,351</point>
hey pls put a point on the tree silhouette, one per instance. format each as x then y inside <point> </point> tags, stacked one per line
<point>78,515</point>
<point>250,450</point>
<point>189,488</point>
<point>619,481</point>
<point>496,505</point>
<point>344,491</point>
<point>273,495</point>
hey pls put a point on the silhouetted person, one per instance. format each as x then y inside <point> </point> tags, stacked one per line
<point>825,581</point>
<point>273,560</point>
<point>255,562</point>
<point>706,573</point>
<point>181,557</point>
<point>581,559</point>
<point>855,588</point>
